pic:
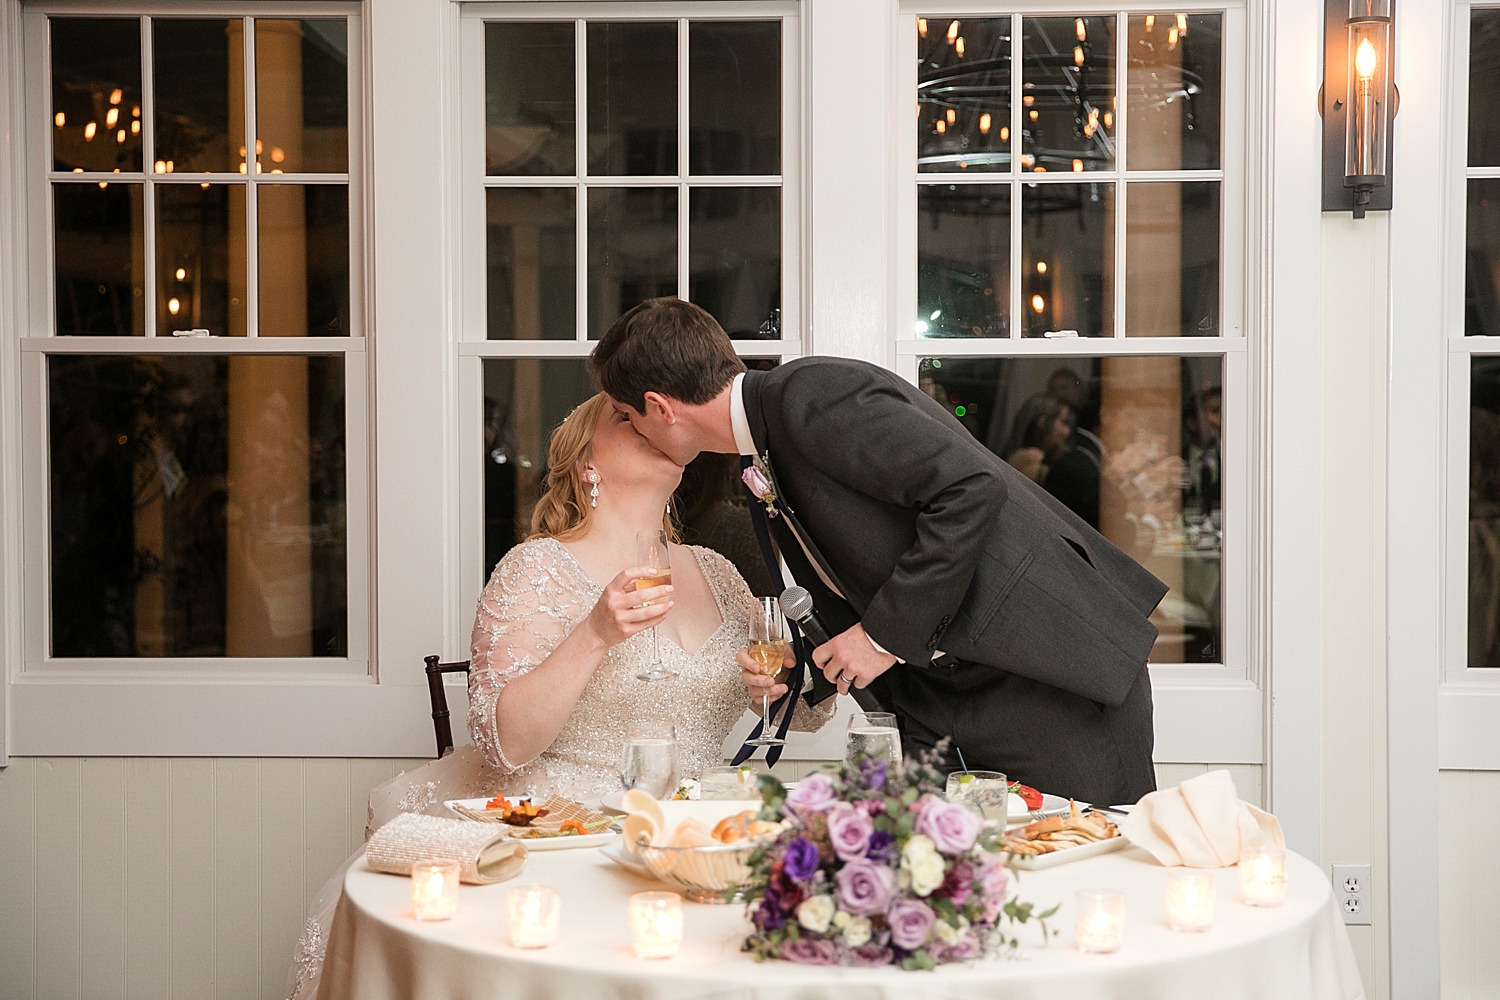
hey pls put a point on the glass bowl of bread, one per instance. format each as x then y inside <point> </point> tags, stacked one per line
<point>701,848</point>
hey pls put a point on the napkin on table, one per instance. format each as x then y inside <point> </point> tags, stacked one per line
<point>1200,824</point>
<point>485,853</point>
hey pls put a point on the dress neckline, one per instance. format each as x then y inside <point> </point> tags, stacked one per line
<point>597,588</point>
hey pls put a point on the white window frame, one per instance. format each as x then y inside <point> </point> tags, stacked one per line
<point>1203,711</point>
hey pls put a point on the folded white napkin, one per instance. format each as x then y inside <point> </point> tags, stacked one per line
<point>1200,824</point>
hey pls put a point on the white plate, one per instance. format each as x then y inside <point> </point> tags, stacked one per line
<point>534,843</point>
<point>1036,862</point>
<point>616,853</point>
<point>1052,805</point>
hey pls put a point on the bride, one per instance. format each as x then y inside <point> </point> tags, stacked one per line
<point>560,634</point>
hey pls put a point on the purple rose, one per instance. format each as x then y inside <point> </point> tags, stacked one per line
<point>849,828</point>
<point>873,773</point>
<point>770,914</point>
<point>952,828</point>
<point>994,879</point>
<point>813,794</point>
<point>801,859</point>
<point>869,954</point>
<point>865,888</point>
<point>808,951</point>
<point>911,923</point>
<point>882,846</point>
<point>757,481</point>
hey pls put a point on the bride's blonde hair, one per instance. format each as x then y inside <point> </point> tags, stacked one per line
<point>563,511</point>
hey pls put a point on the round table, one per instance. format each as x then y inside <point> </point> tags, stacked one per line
<point>379,951</point>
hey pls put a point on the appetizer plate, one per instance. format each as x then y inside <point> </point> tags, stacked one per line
<point>1036,862</point>
<point>616,853</point>
<point>614,802</point>
<point>535,843</point>
<point>1052,805</point>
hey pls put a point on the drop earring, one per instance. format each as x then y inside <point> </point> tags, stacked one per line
<point>594,493</point>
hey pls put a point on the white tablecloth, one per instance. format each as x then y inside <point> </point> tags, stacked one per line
<point>378,951</point>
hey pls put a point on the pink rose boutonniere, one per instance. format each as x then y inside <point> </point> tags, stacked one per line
<point>761,486</point>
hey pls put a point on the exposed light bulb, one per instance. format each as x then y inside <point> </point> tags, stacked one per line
<point>1365,60</point>
<point>984,123</point>
<point>173,306</point>
<point>135,127</point>
<point>1080,30</point>
<point>922,26</point>
<point>958,45</point>
<point>181,273</point>
<point>952,32</point>
<point>1150,21</point>
<point>1077,55</point>
<point>160,166</point>
<point>115,95</point>
<point>1041,267</point>
<point>942,126</point>
<point>1077,166</point>
<point>110,117</point>
<point>1005,133</point>
<point>952,116</point>
<point>1034,114</point>
<point>89,130</point>
<point>60,119</point>
<point>1038,304</point>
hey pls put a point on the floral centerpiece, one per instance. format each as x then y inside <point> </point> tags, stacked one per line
<point>875,867</point>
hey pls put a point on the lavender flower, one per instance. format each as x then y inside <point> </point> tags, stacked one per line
<point>911,923</point>
<point>849,828</point>
<point>882,846</point>
<point>865,888</point>
<point>808,950</point>
<point>951,827</point>
<point>873,773</point>
<point>813,794</point>
<point>801,859</point>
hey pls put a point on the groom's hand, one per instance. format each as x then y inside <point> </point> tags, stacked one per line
<point>851,660</point>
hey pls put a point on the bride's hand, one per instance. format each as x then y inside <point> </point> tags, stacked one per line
<point>621,610</point>
<point>758,683</point>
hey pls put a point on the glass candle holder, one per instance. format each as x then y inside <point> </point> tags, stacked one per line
<point>434,888</point>
<point>1101,919</point>
<point>534,914</point>
<point>1263,876</point>
<point>1190,900</point>
<point>656,924</point>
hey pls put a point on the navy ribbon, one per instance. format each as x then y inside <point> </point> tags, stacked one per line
<point>794,682</point>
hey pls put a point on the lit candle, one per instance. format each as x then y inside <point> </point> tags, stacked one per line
<point>1190,900</point>
<point>656,924</point>
<point>1263,876</point>
<point>434,888</point>
<point>534,914</point>
<point>1101,919</point>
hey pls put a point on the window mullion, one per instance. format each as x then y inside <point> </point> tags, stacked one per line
<point>1122,52</point>
<point>580,171</point>
<point>682,159</point>
<point>1017,75</point>
<point>252,210</point>
<point>148,160</point>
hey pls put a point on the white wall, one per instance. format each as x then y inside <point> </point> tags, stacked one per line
<point>1468,811</point>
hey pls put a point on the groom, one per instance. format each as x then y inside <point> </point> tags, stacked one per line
<point>959,594</point>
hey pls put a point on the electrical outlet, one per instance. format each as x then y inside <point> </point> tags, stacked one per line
<point>1351,886</point>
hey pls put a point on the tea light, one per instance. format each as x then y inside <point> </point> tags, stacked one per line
<point>1263,876</point>
<point>656,924</point>
<point>1101,919</point>
<point>534,914</point>
<point>434,888</point>
<point>1190,900</point>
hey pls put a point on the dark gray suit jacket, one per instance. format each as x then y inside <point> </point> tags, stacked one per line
<point>941,546</point>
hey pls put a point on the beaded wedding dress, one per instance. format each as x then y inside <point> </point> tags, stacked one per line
<point>536,596</point>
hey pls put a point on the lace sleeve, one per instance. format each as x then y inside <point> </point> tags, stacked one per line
<point>533,600</point>
<point>736,599</point>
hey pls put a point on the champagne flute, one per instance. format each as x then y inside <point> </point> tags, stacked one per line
<point>768,649</point>
<point>651,550</point>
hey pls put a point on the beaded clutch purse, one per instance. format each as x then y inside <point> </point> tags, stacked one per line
<point>484,853</point>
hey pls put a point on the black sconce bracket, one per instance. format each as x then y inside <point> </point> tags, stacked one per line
<point>1332,98</point>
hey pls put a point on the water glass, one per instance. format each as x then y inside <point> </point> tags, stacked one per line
<point>649,758</point>
<point>729,782</point>
<point>984,792</point>
<point>874,736</point>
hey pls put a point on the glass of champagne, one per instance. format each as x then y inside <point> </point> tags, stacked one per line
<point>651,550</point>
<point>648,760</point>
<point>768,649</point>
<point>873,735</point>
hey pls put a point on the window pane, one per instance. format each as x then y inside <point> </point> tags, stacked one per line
<point>1482,259</point>
<point>200,269</point>
<point>1068,259</point>
<point>1132,446</point>
<point>531,248</point>
<point>632,250</point>
<point>99,259</point>
<point>1484,87</point>
<point>96,93</point>
<point>963,93</point>
<point>1172,259</point>
<point>734,246</point>
<point>963,260</point>
<point>302,96</point>
<point>632,94</point>
<point>1068,93</point>
<point>524,400</point>
<point>734,100</point>
<point>1484,513</point>
<point>197,506</point>
<point>197,73</point>
<point>529,114</point>
<point>304,260</point>
<point>1174,91</point>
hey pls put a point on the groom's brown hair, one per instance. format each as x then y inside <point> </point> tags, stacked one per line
<point>668,346</point>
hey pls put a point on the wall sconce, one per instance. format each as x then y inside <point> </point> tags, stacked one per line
<point>1358,102</point>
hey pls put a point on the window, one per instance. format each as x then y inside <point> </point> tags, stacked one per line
<point>195,352</point>
<point>648,151</point>
<point>1074,286</point>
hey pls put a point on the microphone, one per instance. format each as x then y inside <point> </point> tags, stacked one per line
<point>797,604</point>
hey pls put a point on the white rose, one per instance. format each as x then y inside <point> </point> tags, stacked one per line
<point>927,874</point>
<point>815,913</point>
<point>947,933</point>
<point>858,932</point>
<point>918,847</point>
<point>841,919</point>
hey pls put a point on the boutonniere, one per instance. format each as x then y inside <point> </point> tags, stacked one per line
<point>760,485</point>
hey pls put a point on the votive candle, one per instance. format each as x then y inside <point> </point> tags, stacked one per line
<point>1190,900</point>
<point>534,914</point>
<point>1263,876</point>
<point>1101,919</point>
<point>656,924</point>
<point>434,888</point>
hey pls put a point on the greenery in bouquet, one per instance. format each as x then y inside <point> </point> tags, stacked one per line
<point>875,867</point>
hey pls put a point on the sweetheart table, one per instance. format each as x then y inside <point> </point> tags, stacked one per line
<point>378,951</point>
